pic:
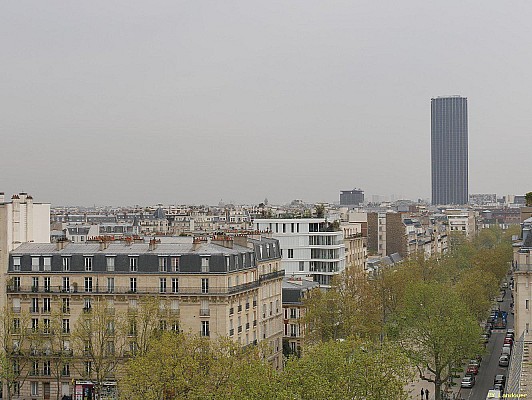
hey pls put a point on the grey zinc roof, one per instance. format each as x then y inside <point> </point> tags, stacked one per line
<point>121,248</point>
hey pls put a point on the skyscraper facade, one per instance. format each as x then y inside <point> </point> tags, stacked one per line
<point>449,150</point>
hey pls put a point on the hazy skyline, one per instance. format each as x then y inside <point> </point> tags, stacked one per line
<point>193,102</point>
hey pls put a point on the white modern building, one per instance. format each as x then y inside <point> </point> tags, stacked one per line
<point>310,247</point>
<point>462,221</point>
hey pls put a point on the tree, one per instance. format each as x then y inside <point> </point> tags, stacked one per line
<point>435,330</point>
<point>528,198</point>
<point>97,343</point>
<point>476,288</point>
<point>14,356</point>
<point>141,325</point>
<point>349,369</point>
<point>352,307</point>
<point>183,366</point>
<point>56,347</point>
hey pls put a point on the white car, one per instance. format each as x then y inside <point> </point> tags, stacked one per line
<point>468,381</point>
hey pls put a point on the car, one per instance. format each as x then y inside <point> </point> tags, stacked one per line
<point>484,338</point>
<point>504,360</point>
<point>508,340</point>
<point>499,387</point>
<point>511,331</point>
<point>468,381</point>
<point>500,299</point>
<point>474,362</point>
<point>494,394</point>
<point>472,369</point>
<point>506,350</point>
<point>499,379</point>
<point>507,345</point>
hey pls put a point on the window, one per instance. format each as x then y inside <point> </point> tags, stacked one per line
<point>293,313</point>
<point>133,285</point>
<point>34,387</point>
<point>16,304</point>
<point>16,263</point>
<point>46,326</point>
<point>66,284</point>
<point>110,264</point>
<point>162,325</point>
<point>16,325</point>
<point>204,308</point>
<point>162,285</point>
<point>132,327</point>
<point>302,265</point>
<point>46,368</point>
<point>290,253</point>
<point>204,285</point>
<point>35,284</point>
<point>205,264</point>
<point>66,370</point>
<point>88,284</point>
<point>175,264</point>
<point>110,350</point>
<point>175,285</point>
<point>47,265</point>
<point>111,327</point>
<point>526,304</point>
<point>66,305</point>
<point>87,305</point>
<point>133,264</point>
<point>16,283</point>
<point>205,328</point>
<point>35,263</point>
<point>46,305</point>
<point>163,264</point>
<point>110,285</point>
<point>47,284</point>
<point>66,325</point>
<point>88,367</point>
<point>34,305</point>
<point>66,264</point>
<point>88,264</point>
<point>34,324</point>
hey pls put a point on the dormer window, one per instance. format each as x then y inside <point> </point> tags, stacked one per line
<point>133,263</point>
<point>16,263</point>
<point>35,263</point>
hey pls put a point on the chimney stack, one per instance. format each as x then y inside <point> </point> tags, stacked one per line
<point>60,244</point>
<point>222,240</point>
<point>153,244</point>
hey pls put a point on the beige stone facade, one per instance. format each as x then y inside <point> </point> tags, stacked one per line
<point>210,287</point>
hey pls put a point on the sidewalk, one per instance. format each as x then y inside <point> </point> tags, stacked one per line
<point>414,389</point>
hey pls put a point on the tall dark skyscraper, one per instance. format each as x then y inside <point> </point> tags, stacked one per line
<point>449,150</point>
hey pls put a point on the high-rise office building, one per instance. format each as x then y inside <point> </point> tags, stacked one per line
<point>449,150</point>
<point>351,198</point>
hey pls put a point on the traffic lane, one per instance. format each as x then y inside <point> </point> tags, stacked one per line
<point>490,360</point>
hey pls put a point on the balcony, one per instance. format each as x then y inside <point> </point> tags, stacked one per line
<point>153,290</point>
<point>174,312</point>
<point>205,312</point>
<point>272,275</point>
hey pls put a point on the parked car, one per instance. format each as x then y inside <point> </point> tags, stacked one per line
<point>510,332</point>
<point>484,338</point>
<point>508,340</point>
<point>501,379</point>
<point>504,360</point>
<point>472,369</point>
<point>468,381</point>
<point>474,362</point>
<point>500,299</point>
<point>499,387</point>
<point>507,346</point>
<point>494,394</point>
<point>506,350</point>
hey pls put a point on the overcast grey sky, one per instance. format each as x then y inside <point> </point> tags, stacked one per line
<point>137,102</point>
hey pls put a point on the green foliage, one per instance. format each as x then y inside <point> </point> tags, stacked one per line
<point>435,329</point>
<point>528,198</point>
<point>348,369</point>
